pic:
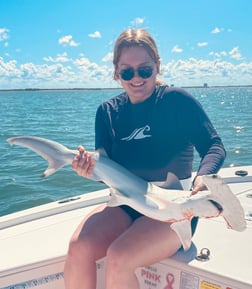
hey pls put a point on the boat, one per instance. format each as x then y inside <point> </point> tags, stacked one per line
<point>34,242</point>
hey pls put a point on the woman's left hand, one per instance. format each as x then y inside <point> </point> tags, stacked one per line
<point>198,185</point>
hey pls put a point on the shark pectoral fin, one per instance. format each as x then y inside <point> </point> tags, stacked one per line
<point>116,199</point>
<point>184,232</point>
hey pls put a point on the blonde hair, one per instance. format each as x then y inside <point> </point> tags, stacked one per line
<point>135,37</point>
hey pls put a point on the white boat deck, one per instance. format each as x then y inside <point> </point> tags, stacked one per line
<point>28,241</point>
<point>33,245</point>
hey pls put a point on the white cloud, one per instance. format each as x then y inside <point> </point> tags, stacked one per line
<point>4,34</point>
<point>218,54</point>
<point>60,58</point>
<point>82,72</point>
<point>96,34</point>
<point>223,53</point>
<point>93,74</point>
<point>235,54</point>
<point>67,40</point>
<point>108,57</point>
<point>216,30</point>
<point>137,21</point>
<point>202,44</point>
<point>196,72</point>
<point>91,68</point>
<point>82,62</point>
<point>177,49</point>
<point>9,69</point>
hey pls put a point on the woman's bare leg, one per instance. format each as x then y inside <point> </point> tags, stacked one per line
<point>89,243</point>
<point>145,242</point>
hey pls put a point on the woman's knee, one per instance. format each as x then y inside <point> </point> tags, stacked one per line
<point>81,248</point>
<point>118,257</point>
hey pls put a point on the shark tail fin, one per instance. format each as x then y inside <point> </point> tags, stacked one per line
<point>49,150</point>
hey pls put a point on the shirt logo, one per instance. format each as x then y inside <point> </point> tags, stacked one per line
<point>138,133</point>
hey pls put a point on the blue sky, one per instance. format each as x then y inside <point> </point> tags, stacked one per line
<point>69,43</point>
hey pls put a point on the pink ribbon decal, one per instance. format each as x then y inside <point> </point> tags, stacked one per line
<point>170,280</point>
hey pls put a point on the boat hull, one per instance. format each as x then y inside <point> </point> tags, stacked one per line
<point>34,243</point>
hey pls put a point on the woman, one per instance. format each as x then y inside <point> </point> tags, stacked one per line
<point>150,129</point>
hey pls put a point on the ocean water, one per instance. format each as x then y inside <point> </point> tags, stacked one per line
<point>67,116</point>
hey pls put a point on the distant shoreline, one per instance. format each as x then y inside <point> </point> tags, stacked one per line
<point>114,88</point>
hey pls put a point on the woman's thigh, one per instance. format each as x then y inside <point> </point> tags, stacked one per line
<point>100,228</point>
<point>148,240</point>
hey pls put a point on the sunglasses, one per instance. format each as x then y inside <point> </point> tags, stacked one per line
<point>143,71</point>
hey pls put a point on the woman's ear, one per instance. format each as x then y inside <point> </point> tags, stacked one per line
<point>116,75</point>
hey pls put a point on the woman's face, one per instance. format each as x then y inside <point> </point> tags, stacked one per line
<point>138,87</point>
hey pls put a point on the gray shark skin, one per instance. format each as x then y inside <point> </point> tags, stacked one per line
<point>168,205</point>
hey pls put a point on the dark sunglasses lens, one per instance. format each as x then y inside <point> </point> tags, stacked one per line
<point>127,74</point>
<point>145,71</point>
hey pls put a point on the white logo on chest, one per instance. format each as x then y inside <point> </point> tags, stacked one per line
<point>138,133</point>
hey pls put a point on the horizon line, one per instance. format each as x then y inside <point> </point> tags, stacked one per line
<point>115,88</point>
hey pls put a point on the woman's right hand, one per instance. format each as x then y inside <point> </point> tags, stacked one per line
<point>83,163</point>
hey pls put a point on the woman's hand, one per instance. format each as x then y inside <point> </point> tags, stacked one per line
<point>83,163</point>
<point>198,185</point>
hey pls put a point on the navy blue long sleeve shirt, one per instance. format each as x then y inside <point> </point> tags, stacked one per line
<point>159,135</point>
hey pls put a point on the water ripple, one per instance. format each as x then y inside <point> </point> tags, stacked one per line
<point>68,117</point>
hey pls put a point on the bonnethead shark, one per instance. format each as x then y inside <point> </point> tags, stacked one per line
<point>176,206</point>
